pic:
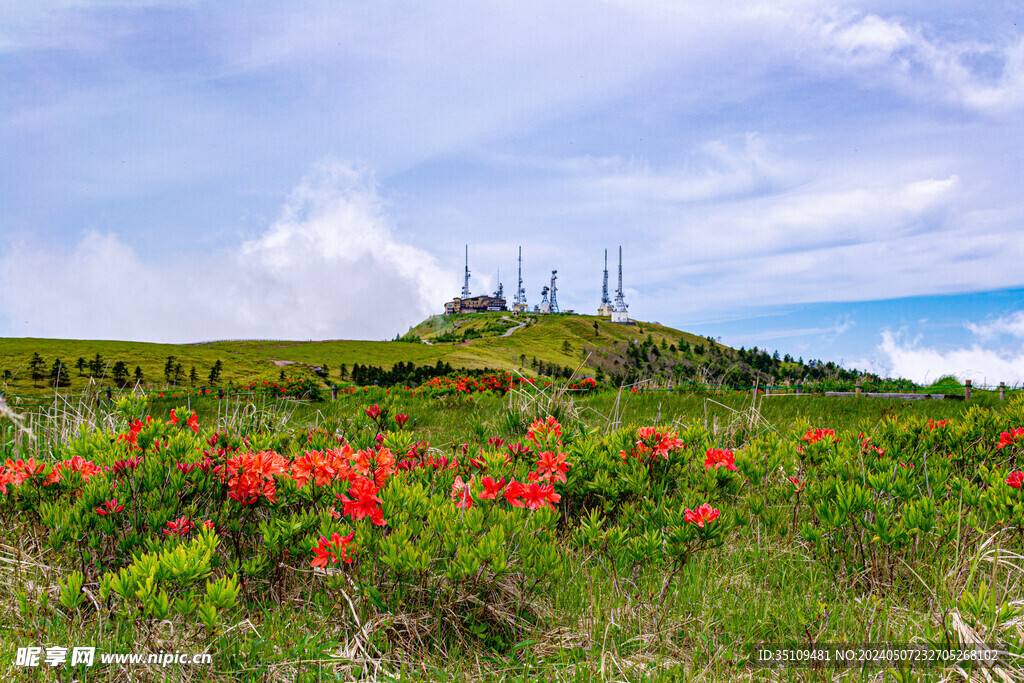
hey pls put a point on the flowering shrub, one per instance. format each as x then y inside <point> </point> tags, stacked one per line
<point>175,519</point>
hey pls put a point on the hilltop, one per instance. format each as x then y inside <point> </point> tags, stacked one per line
<point>532,344</point>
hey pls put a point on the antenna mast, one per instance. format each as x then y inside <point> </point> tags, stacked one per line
<point>521,293</point>
<point>500,293</point>
<point>605,299</point>
<point>553,292</point>
<point>620,300</point>
<point>465,281</point>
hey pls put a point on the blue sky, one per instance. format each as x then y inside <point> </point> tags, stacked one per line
<point>832,180</point>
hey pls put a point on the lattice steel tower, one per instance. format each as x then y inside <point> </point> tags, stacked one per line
<point>620,301</point>
<point>520,299</point>
<point>553,292</point>
<point>606,301</point>
<point>465,281</point>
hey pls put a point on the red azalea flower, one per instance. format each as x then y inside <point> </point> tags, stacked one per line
<point>519,448</point>
<point>1009,438</point>
<point>373,412</point>
<point>551,466</point>
<point>401,419</point>
<point>716,458</point>
<point>462,494</point>
<point>702,515</point>
<point>1015,479</point>
<point>797,483</point>
<point>329,552</point>
<point>513,493</point>
<point>495,442</point>
<point>536,496</point>
<point>814,435</point>
<point>179,527</point>
<point>364,501</point>
<point>109,507</point>
<point>491,487</point>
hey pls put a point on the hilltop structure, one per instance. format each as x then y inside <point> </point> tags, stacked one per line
<point>467,303</point>
<point>606,302</point>
<point>519,305</point>
<point>549,302</point>
<point>620,312</point>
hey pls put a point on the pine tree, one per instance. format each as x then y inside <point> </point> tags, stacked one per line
<point>169,368</point>
<point>96,366</point>
<point>59,374</point>
<point>119,373</point>
<point>215,373</point>
<point>80,364</point>
<point>138,374</point>
<point>36,367</point>
<point>193,376</point>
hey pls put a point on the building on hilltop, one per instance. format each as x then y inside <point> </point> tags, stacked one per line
<point>475,304</point>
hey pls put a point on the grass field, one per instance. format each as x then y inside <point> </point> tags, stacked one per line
<point>612,584</point>
<point>551,339</point>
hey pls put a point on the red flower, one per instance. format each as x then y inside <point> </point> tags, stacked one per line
<point>21,470</point>
<point>1015,479</point>
<point>333,550</point>
<point>542,431</point>
<point>537,496</point>
<point>462,494</point>
<point>720,458</point>
<point>513,493</point>
<point>179,527</point>
<point>6,477</point>
<point>654,443</point>
<point>814,435</point>
<point>519,448</point>
<point>702,515</point>
<point>401,419</point>
<point>495,442</point>
<point>492,488</point>
<point>1009,438</point>
<point>364,501</point>
<point>797,483</point>
<point>109,507</point>
<point>373,412</point>
<point>551,466</point>
<point>192,422</point>
<point>932,424</point>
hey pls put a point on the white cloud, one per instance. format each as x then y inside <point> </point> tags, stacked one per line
<point>924,364</point>
<point>330,267</point>
<point>1012,324</point>
<point>907,57</point>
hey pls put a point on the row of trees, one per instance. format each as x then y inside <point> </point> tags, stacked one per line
<point>59,374</point>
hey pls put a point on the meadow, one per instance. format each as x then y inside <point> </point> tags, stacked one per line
<point>538,533</point>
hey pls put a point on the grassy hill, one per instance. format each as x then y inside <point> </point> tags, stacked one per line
<point>469,341</point>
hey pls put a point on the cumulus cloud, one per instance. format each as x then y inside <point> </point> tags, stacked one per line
<point>984,366</point>
<point>1012,325</point>
<point>331,266</point>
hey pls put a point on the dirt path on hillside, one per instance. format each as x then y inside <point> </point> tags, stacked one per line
<point>509,331</point>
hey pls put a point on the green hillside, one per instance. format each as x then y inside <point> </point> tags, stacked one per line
<point>470,341</point>
<point>532,344</point>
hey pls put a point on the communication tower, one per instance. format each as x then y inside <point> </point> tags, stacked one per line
<point>519,304</point>
<point>465,280</point>
<point>500,292</point>
<point>620,311</point>
<point>545,305</point>
<point>553,293</point>
<point>606,301</point>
